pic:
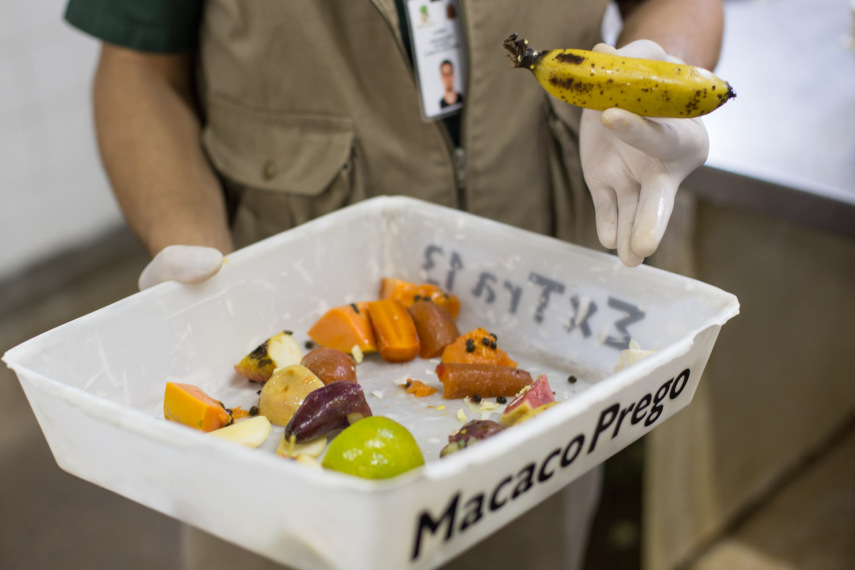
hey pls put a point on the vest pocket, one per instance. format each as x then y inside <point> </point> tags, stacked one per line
<point>279,169</point>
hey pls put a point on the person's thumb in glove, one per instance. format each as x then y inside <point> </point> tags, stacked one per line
<point>183,263</point>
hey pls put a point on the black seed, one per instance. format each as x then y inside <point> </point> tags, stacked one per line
<point>571,379</point>
<point>355,308</point>
<point>470,345</point>
<point>253,411</point>
<point>485,341</point>
<point>260,351</point>
<point>476,398</point>
<point>309,345</point>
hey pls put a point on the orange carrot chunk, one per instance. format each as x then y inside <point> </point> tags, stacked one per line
<point>408,293</point>
<point>485,380</point>
<point>189,405</point>
<point>435,327</point>
<point>478,346</point>
<point>344,327</point>
<point>397,339</point>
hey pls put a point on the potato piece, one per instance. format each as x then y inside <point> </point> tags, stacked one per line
<point>330,365</point>
<point>285,392</point>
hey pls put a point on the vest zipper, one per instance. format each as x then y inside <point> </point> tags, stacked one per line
<point>458,154</point>
<point>458,158</point>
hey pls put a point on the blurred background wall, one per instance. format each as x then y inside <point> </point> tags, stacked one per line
<point>54,193</point>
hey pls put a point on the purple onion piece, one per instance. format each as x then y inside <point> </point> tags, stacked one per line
<point>327,409</point>
<point>470,434</point>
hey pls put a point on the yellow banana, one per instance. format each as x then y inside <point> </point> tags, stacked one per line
<point>600,81</point>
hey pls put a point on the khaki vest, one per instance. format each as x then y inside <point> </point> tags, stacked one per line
<point>312,105</point>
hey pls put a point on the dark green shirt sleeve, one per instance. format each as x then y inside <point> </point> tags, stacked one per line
<point>155,26</point>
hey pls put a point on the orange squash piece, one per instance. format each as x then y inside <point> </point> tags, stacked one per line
<point>397,339</point>
<point>418,388</point>
<point>478,346</point>
<point>239,413</point>
<point>189,405</point>
<point>408,293</point>
<point>344,327</point>
<point>485,380</point>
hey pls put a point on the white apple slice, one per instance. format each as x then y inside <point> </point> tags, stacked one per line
<point>295,450</point>
<point>250,432</point>
<point>284,350</point>
<point>631,355</point>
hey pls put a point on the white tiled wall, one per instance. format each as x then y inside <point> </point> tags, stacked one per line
<point>53,192</point>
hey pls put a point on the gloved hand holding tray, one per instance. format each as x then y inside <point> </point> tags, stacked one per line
<point>96,384</point>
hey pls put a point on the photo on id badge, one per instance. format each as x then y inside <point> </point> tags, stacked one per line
<point>439,55</point>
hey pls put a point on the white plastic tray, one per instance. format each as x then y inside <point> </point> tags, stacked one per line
<point>96,384</point>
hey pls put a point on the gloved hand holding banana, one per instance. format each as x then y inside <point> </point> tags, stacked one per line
<point>640,134</point>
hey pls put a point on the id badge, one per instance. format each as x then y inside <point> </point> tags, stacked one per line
<point>439,56</point>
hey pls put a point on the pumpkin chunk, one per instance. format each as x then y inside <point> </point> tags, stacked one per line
<point>189,405</point>
<point>418,388</point>
<point>397,339</point>
<point>408,293</point>
<point>478,346</point>
<point>344,327</point>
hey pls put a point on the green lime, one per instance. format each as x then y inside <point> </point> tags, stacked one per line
<point>374,448</point>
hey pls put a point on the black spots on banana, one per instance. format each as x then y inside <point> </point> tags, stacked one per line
<point>571,58</point>
<point>694,102</point>
<point>570,84</point>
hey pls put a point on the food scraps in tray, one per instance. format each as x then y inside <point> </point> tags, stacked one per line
<point>318,401</point>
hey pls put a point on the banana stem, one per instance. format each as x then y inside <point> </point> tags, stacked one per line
<point>519,53</point>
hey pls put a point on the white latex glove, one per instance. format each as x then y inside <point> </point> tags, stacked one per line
<point>183,263</point>
<point>634,165</point>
